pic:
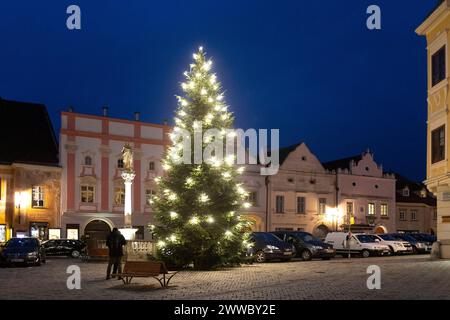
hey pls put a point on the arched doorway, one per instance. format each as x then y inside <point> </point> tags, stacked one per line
<point>380,229</point>
<point>96,232</point>
<point>321,231</point>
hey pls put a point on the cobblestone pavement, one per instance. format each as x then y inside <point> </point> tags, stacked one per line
<point>407,277</point>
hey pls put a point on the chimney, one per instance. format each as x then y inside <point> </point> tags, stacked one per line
<point>137,115</point>
<point>70,109</point>
<point>105,111</point>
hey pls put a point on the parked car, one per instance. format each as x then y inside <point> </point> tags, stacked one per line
<point>395,244</point>
<point>363,244</point>
<point>22,251</point>
<point>419,246</point>
<point>267,246</point>
<point>64,247</point>
<point>306,245</point>
<point>424,237</point>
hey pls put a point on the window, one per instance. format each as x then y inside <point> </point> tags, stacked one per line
<point>120,163</point>
<point>438,66</point>
<point>149,193</point>
<point>402,215</point>
<point>350,209</point>
<point>88,161</point>
<point>383,209</point>
<point>87,194</point>
<point>371,208</point>
<point>413,215</point>
<point>322,205</point>
<point>119,196</point>
<point>438,144</point>
<point>301,208</point>
<point>37,195</point>
<point>252,198</point>
<point>279,204</point>
<point>406,192</point>
<point>151,166</point>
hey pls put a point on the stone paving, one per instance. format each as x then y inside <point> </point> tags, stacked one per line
<point>406,277</point>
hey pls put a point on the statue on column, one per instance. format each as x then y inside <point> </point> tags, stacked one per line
<point>127,156</point>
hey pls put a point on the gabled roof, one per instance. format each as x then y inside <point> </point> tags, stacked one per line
<point>284,152</point>
<point>27,135</point>
<point>414,191</point>
<point>343,163</point>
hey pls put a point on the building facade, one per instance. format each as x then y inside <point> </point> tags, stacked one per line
<point>364,192</point>
<point>435,29</point>
<point>93,193</point>
<point>30,176</point>
<point>416,207</point>
<point>301,193</point>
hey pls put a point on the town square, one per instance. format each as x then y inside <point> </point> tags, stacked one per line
<point>224,151</point>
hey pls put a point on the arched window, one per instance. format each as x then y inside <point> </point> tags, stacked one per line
<point>151,166</point>
<point>88,161</point>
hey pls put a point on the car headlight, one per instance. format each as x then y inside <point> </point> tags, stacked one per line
<point>32,254</point>
<point>420,245</point>
<point>398,244</point>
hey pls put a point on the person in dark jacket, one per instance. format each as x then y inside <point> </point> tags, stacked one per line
<point>115,243</point>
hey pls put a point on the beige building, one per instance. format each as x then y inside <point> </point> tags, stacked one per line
<point>301,193</point>
<point>416,207</point>
<point>436,30</point>
<point>30,177</point>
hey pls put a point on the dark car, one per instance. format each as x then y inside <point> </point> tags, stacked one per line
<point>418,245</point>
<point>22,251</point>
<point>267,246</point>
<point>64,247</point>
<point>306,245</point>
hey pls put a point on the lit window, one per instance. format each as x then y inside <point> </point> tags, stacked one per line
<point>350,209</point>
<point>301,204</point>
<point>87,194</point>
<point>120,163</point>
<point>149,193</point>
<point>252,198</point>
<point>279,204</point>
<point>37,194</point>
<point>383,209</point>
<point>322,205</point>
<point>371,209</point>
<point>119,196</point>
<point>151,166</point>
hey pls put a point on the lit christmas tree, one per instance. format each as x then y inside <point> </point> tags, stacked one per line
<point>197,206</point>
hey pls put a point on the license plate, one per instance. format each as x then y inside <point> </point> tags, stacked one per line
<point>17,260</point>
<point>287,253</point>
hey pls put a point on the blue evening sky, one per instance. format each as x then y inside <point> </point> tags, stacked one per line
<point>310,68</point>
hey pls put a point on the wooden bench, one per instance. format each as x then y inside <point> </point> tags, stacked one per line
<point>146,269</point>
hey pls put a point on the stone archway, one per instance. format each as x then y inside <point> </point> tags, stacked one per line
<point>321,231</point>
<point>257,223</point>
<point>96,232</point>
<point>380,229</point>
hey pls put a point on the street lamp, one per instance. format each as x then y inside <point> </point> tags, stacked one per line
<point>332,216</point>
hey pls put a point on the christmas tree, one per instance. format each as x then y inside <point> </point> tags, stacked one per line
<point>197,206</point>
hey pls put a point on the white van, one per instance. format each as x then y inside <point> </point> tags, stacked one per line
<point>359,243</point>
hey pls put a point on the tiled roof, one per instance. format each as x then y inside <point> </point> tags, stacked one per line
<point>27,135</point>
<point>415,189</point>
<point>343,163</point>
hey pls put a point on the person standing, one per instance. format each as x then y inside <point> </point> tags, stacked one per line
<point>115,243</point>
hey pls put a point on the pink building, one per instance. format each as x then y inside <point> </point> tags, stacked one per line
<point>92,195</point>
